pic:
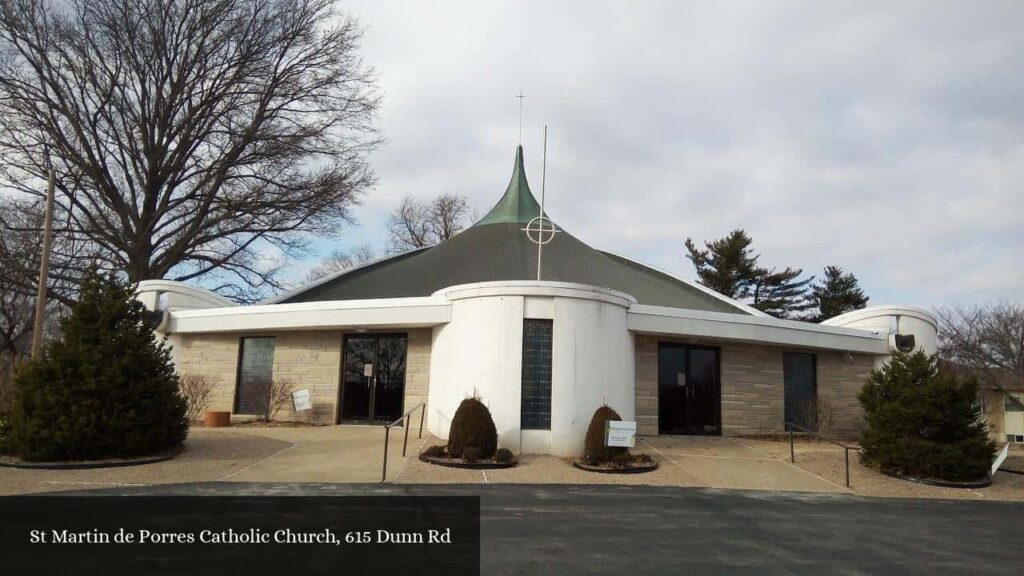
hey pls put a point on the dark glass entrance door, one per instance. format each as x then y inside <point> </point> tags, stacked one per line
<point>373,378</point>
<point>688,391</point>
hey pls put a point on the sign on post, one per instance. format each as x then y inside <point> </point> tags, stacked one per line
<point>301,400</point>
<point>620,434</point>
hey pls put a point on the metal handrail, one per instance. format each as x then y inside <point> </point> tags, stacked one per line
<point>846,448</point>
<point>405,444</point>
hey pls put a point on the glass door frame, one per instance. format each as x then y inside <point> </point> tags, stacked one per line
<point>341,375</point>
<point>716,394</point>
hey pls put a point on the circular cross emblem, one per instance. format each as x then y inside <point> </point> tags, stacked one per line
<point>540,230</point>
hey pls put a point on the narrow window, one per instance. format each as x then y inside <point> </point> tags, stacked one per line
<point>255,373</point>
<point>536,403</point>
<point>801,389</point>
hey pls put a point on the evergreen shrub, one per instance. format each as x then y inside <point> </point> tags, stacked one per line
<point>472,426</point>
<point>107,389</point>
<point>923,423</point>
<point>503,456</point>
<point>594,450</point>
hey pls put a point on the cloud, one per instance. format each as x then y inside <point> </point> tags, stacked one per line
<point>887,139</point>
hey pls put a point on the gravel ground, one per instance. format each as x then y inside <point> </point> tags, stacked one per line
<point>752,463</point>
<point>714,463</point>
<point>867,482</point>
<point>1014,461</point>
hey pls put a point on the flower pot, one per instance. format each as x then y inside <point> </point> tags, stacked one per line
<point>215,419</point>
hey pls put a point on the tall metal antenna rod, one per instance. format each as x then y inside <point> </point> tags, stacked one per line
<point>520,116</point>
<point>543,182</point>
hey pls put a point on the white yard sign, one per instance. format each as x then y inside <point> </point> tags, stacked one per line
<point>620,434</point>
<point>301,400</point>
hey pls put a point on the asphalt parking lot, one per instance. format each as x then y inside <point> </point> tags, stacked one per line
<point>572,529</point>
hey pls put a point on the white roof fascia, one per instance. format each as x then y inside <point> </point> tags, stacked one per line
<point>882,310</point>
<point>339,274</point>
<point>332,314</point>
<point>763,330</point>
<point>745,307</point>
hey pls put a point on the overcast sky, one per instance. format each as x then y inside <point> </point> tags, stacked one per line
<point>887,138</point>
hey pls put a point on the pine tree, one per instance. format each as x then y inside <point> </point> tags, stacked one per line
<point>780,293</point>
<point>924,423</point>
<point>727,265</point>
<point>106,389</point>
<point>837,293</point>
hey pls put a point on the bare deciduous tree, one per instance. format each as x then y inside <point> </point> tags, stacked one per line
<point>417,224</point>
<point>341,260</point>
<point>190,138</point>
<point>197,390</point>
<point>20,249</point>
<point>448,215</point>
<point>986,338</point>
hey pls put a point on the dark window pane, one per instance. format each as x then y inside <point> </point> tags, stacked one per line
<point>801,389</point>
<point>255,373</point>
<point>360,359</point>
<point>1010,406</point>
<point>373,378</point>
<point>389,393</point>
<point>536,402</point>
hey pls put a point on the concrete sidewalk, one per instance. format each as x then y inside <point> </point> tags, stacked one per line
<point>241,454</point>
<point>353,454</point>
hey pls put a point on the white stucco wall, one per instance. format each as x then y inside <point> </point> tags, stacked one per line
<point>479,351</point>
<point>890,321</point>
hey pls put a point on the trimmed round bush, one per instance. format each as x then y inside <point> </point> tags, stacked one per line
<point>594,451</point>
<point>503,456</point>
<point>924,423</point>
<point>471,455</point>
<point>472,426</point>
<point>435,452</point>
<point>107,389</point>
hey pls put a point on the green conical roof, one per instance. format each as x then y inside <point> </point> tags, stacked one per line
<point>497,249</point>
<point>518,203</point>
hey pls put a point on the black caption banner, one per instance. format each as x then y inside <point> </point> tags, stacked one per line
<point>257,535</point>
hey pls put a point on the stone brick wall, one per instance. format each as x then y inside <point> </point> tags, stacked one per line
<point>840,378</point>
<point>752,392</point>
<point>417,368</point>
<point>752,389</point>
<point>646,385</point>
<point>214,356</point>
<point>309,359</point>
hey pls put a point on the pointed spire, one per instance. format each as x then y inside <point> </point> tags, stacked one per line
<point>518,203</point>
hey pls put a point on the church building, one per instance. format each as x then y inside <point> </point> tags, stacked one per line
<point>468,317</point>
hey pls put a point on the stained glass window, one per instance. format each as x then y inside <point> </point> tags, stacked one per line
<point>536,402</point>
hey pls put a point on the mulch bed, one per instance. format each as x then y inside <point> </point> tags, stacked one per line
<point>637,467</point>
<point>460,463</point>
<point>15,462</point>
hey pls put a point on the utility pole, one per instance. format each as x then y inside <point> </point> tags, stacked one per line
<point>44,265</point>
